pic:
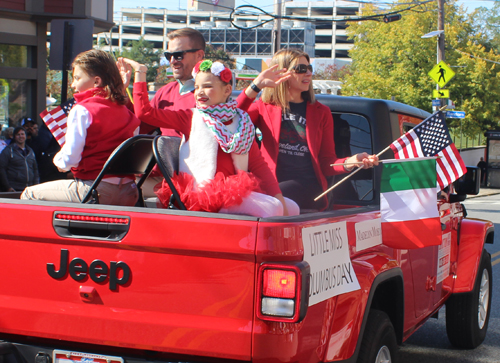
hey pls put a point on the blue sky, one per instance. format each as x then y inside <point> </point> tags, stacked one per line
<point>264,4</point>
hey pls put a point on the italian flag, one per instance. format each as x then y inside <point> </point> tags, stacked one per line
<point>408,203</point>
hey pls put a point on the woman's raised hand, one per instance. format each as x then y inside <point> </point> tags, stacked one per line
<point>271,77</point>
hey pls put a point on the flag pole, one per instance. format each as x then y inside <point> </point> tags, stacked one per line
<point>390,160</point>
<point>346,177</point>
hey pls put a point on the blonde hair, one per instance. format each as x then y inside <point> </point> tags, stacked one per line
<point>286,58</point>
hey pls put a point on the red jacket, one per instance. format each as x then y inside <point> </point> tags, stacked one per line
<point>319,134</point>
<point>111,125</point>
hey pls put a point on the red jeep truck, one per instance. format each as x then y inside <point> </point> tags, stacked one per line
<point>98,283</point>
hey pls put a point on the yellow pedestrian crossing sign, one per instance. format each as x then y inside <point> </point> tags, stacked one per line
<point>441,93</point>
<point>441,73</point>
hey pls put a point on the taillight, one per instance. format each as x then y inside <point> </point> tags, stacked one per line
<point>283,292</point>
<point>279,283</point>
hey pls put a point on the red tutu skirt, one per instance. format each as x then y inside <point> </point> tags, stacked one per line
<point>220,192</point>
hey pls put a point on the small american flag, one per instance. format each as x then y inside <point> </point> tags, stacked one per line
<point>56,120</point>
<point>432,138</point>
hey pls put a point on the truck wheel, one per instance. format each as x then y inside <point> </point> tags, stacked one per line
<point>379,343</point>
<point>468,314</point>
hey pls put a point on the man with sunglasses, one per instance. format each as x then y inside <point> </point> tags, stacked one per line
<point>185,48</point>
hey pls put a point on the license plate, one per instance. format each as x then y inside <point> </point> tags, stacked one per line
<point>65,356</point>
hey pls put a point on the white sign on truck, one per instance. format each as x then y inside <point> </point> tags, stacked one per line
<point>326,249</point>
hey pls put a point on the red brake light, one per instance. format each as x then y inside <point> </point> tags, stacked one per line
<point>279,283</point>
<point>87,218</point>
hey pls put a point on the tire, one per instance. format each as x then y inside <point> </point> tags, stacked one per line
<point>467,315</point>
<point>379,343</point>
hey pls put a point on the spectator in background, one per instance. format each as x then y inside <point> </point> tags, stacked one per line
<point>9,134</point>
<point>45,147</point>
<point>483,166</point>
<point>31,128</point>
<point>48,147</point>
<point>3,144</point>
<point>18,167</point>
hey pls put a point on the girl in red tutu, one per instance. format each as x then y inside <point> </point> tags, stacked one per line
<point>220,165</point>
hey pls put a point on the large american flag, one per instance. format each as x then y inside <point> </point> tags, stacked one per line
<point>432,138</point>
<point>56,119</point>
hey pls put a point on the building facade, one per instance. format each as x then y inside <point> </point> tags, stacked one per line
<point>320,31</point>
<point>154,24</point>
<point>330,28</point>
<point>23,49</point>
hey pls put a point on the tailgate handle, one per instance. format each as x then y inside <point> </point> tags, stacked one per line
<point>102,227</point>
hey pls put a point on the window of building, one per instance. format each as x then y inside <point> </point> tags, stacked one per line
<point>323,53</point>
<point>248,49</point>
<point>232,36</point>
<point>233,48</point>
<point>14,95</point>
<point>265,36</point>
<point>248,36</point>
<point>218,35</point>
<point>264,48</point>
<point>14,56</point>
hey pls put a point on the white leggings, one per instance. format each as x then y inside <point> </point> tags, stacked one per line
<point>262,205</point>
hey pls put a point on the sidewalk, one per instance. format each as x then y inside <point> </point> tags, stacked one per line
<point>483,192</point>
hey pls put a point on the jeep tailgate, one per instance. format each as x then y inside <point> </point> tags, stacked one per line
<point>188,289</point>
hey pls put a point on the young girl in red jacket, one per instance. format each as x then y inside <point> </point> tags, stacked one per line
<point>96,125</point>
<point>218,147</point>
<point>297,132</point>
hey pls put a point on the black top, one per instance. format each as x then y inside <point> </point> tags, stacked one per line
<point>294,158</point>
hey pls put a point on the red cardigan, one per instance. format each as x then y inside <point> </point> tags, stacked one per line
<point>319,134</point>
<point>180,120</point>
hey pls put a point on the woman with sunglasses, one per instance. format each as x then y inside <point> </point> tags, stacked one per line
<point>297,132</point>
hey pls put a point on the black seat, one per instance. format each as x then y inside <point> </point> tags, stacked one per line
<point>133,156</point>
<point>166,152</point>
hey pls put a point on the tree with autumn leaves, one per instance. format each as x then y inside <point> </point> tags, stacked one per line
<point>391,60</point>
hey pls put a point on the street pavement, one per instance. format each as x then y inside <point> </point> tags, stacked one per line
<point>483,192</point>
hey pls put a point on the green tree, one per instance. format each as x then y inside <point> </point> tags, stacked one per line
<point>333,73</point>
<point>487,22</point>
<point>219,54</point>
<point>392,60</point>
<point>143,52</point>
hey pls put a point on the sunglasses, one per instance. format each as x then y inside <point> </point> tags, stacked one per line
<point>178,56</point>
<point>302,68</point>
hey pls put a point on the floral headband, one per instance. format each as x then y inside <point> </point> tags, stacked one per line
<point>217,68</point>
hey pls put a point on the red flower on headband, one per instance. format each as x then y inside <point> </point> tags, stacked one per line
<point>196,69</point>
<point>226,75</point>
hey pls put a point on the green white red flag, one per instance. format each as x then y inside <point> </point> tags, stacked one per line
<point>408,203</point>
